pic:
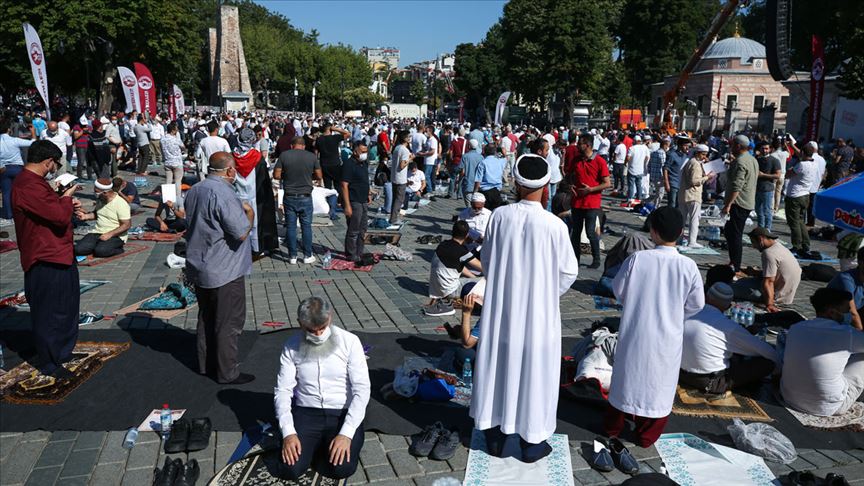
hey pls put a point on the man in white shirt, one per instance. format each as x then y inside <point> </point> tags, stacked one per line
<point>321,395</point>
<point>620,157</point>
<point>637,161</point>
<point>603,151</point>
<point>719,354</point>
<point>430,157</point>
<point>823,364</point>
<point>157,131</point>
<point>209,146</point>
<point>477,217</point>
<point>782,156</point>
<point>54,134</point>
<point>821,167</point>
<point>801,176</point>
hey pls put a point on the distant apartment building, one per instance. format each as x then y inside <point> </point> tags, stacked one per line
<point>382,60</point>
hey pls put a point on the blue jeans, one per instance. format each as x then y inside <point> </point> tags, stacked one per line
<point>298,206</point>
<point>634,186</point>
<point>765,209</point>
<point>672,197</point>
<point>6,179</point>
<point>553,188</point>
<point>388,196</point>
<point>429,171</point>
<point>455,184</point>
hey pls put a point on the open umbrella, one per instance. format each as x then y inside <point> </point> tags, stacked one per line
<point>842,204</point>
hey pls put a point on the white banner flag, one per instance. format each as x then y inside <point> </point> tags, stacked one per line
<point>37,63</point>
<point>130,89</point>
<point>179,102</point>
<point>499,108</point>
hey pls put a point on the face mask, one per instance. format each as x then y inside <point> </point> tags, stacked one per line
<point>846,319</point>
<point>319,340</point>
<point>363,157</point>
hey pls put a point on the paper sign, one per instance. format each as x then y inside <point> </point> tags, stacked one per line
<point>716,166</point>
<point>169,193</point>
<point>478,291</point>
<point>153,423</point>
<point>64,180</point>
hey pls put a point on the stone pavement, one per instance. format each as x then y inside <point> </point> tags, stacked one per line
<point>387,299</point>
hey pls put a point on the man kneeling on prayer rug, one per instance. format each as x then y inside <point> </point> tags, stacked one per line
<point>719,354</point>
<point>321,395</point>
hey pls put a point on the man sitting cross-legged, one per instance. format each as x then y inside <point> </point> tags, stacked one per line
<point>718,354</point>
<point>321,395</point>
<point>451,260</point>
<point>113,220</point>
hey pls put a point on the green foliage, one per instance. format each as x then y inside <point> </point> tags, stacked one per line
<point>479,68</point>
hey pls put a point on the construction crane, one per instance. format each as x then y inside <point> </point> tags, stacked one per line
<point>671,96</point>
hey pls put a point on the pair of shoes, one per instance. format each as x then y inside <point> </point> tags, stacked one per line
<point>803,478</point>
<point>310,259</point>
<point>611,454</point>
<point>439,308</point>
<point>175,473</point>
<point>436,441</point>
<point>189,435</point>
<point>292,261</point>
<point>89,318</point>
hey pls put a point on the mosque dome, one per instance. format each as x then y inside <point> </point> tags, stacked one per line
<point>735,47</point>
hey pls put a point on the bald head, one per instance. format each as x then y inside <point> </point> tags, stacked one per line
<point>52,126</point>
<point>220,161</point>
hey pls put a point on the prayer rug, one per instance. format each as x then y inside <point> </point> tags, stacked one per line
<point>24,384</point>
<point>692,461</point>
<point>156,236</point>
<point>259,469</point>
<point>18,299</point>
<point>824,260</point>
<point>553,470</point>
<point>135,311</point>
<point>8,246</point>
<point>129,249</point>
<point>339,262</point>
<point>732,406</point>
<point>705,250</point>
<point>852,420</point>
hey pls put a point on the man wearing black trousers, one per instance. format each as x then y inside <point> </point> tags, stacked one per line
<point>740,197</point>
<point>355,200</point>
<point>43,223</point>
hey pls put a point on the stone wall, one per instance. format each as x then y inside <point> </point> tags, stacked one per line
<point>228,62</point>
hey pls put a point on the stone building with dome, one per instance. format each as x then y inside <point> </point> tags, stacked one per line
<point>749,96</point>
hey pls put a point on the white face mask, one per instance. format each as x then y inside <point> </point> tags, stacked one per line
<point>320,339</point>
<point>363,157</point>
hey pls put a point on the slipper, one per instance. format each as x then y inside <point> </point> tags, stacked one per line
<point>199,436</point>
<point>601,459</point>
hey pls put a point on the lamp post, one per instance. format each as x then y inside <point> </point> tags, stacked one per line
<point>295,94</point>
<point>342,83</point>
<point>314,86</point>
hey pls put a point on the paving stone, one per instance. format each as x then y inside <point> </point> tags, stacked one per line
<point>459,461</point>
<point>589,476</point>
<point>54,454</point>
<point>143,455</point>
<point>801,464</point>
<point>89,440</point>
<point>816,458</point>
<point>207,468</point>
<point>7,444</point>
<point>432,466</point>
<point>228,438</point>
<point>373,454</point>
<point>359,477</point>
<point>380,473</point>
<point>107,474</point>
<point>405,465</point>
<point>205,454</point>
<point>73,481</point>
<point>17,465</point>
<point>138,477</point>
<point>222,455</point>
<point>63,435</point>
<point>854,473</point>
<point>778,468</point>
<point>857,453</point>
<point>839,457</point>
<point>80,463</point>
<point>393,442</point>
<point>43,475</point>
<point>113,450</point>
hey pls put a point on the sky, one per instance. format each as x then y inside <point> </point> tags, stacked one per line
<point>420,29</point>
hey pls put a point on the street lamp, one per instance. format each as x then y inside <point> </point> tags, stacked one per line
<point>342,82</point>
<point>314,86</point>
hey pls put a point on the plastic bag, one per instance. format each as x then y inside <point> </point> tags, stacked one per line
<point>762,440</point>
<point>406,381</point>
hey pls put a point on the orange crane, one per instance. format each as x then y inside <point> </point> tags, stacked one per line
<point>671,96</point>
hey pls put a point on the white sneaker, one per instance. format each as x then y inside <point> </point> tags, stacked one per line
<point>310,259</point>
<point>292,261</point>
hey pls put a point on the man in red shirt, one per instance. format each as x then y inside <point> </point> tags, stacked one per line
<point>588,175</point>
<point>43,223</point>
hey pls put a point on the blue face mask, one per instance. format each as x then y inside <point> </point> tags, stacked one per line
<point>846,319</point>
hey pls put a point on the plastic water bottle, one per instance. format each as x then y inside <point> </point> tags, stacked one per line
<point>165,420</point>
<point>736,314</point>
<point>131,437</point>
<point>326,259</point>
<point>467,373</point>
<point>2,360</point>
<point>749,316</point>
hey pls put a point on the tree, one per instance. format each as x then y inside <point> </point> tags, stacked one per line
<point>479,69</point>
<point>418,92</point>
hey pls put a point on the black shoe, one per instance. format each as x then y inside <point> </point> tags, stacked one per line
<point>833,479</point>
<point>594,264</point>
<point>532,453</point>
<point>622,457</point>
<point>188,475</point>
<point>178,440</point>
<point>422,443</point>
<point>446,446</point>
<point>168,473</point>
<point>494,441</point>
<point>241,379</point>
<point>602,459</point>
<point>61,373</point>
<point>199,436</point>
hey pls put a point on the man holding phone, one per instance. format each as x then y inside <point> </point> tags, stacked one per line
<point>43,224</point>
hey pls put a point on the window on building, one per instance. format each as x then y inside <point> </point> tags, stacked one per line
<point>700,104</point>
<point>659,104</point>
<point>758,102</point>
<point>784,104</point>
<point>731,101</point>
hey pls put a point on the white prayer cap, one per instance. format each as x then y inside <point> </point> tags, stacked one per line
<point>813,144</point>
<point>474,143</point>
<point>532,161</point>
<point>637,138</point>
<point>701,148</point>
<point>593,131</point>
<point>103,185</point>
<point>478,197</point>
<point>721,293</point>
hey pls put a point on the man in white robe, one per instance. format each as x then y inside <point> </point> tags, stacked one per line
<point>658,289</point>
<point>529,262</point>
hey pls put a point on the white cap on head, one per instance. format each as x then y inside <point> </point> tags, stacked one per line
<point>812,143</point>
<point>530,183</point>
<point>478,197</point>
<point>701,148</point>
<point>474,143</point>
<point>593,131</point>
<point>637,138</point>
<point>721,293</point>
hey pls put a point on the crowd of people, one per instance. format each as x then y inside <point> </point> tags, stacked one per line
<point>532,197</point>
